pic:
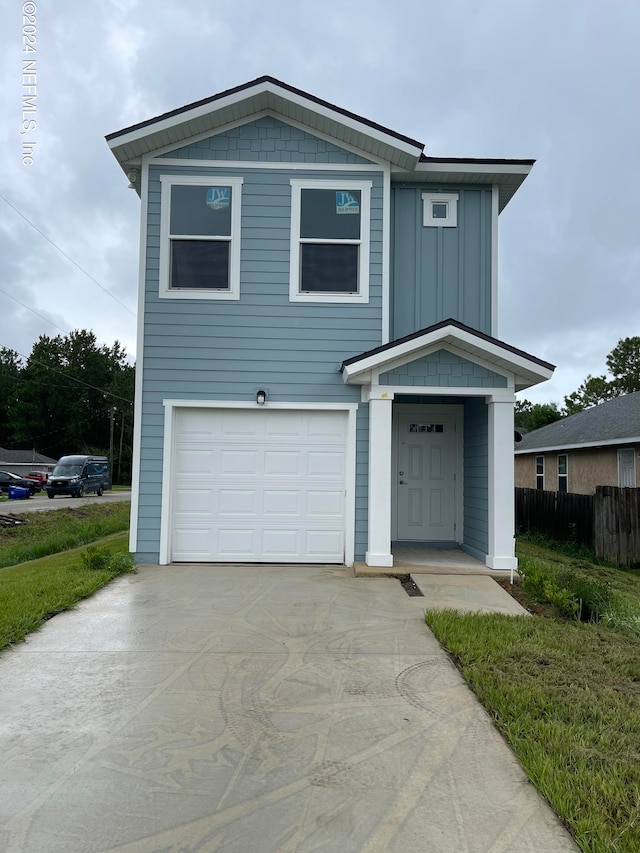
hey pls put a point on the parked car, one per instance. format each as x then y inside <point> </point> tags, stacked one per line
<point>8,479</point>
<point>38,476</point>
<point>79,475</point>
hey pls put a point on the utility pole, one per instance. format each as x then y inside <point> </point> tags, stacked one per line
<point>112,411</point>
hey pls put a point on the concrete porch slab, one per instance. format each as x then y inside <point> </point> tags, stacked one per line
<point>430,561</point>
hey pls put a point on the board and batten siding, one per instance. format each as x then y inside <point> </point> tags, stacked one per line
<point>227,350</point>
<point>476,477</point>
<point>440,273</point>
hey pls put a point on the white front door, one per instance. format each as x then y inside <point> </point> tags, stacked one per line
<point>426,461</point>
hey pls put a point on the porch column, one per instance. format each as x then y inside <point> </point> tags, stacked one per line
<point>501,553</point>
<point>379,546</point>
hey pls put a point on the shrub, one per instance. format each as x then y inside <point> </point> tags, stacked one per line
<point>97,558</point>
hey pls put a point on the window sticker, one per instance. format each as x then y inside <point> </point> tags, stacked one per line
<point>426,427</point>
<point>218,197</point>
<point>347,203</point>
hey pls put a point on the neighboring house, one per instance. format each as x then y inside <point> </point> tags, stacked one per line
<point>318,375</point>
<point>596,447</point>
<point>22,461</point>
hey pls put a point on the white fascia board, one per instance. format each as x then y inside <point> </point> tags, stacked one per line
<point>587,445</point>
<point>494,356</point>
<point>477,168</point>
<point>259,89</point>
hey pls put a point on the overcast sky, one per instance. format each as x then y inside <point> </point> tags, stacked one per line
<point>556,80</point>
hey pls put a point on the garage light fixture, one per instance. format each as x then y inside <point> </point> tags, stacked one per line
<point>261,397</point>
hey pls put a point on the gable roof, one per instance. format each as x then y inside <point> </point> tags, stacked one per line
<point>616,421</point>
<point>268,95</point>
<point>528,369</point>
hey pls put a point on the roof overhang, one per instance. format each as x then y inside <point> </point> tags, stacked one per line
<point>582,445</point>
<point>265,94</point>
<point>527,370</point>
<point>507,175</point>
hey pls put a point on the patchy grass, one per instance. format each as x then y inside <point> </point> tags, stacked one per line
<point>54,531</point>
<point>33,592</point>
<point>565,694</point>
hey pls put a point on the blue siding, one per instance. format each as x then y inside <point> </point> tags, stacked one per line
<point>443,369</point>
<point>438,273</point>
<point>362,483</point>
<point>226,350</point>
<point>266,139</point>
<point>476,477</point>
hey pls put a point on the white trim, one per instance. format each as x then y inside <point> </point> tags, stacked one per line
<point>495,209</point>
<point>455,337</point>
<point>166,183</point>
<point>252,91</point>
<point>453,350</point>
<point>386,257</point>
<point>434,197</point>
<point>635,465</point>
<point>256,164</point>
<point>379,486</point>
<point>501,511</point>
<point>587,445</point>
<point>427,409</point>
<point>299,184</point>
<point>566,473</point>
<point>171,406</point>
<point>477,168</point>
<point>499,395</point>
<point>139,372</point>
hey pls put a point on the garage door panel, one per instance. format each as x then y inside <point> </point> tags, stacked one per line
<point>234,502</point>
<point>259,485</point>
<point>281,502</point>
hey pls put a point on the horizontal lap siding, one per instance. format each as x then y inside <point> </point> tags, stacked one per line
<point>226,350</point>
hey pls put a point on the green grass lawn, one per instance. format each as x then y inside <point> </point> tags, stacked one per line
<point>34,587</point>
<point>565,693</point>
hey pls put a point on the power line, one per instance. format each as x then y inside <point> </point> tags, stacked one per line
<point>33,311</point>
<point>68,257</point>
<point>72,378</point>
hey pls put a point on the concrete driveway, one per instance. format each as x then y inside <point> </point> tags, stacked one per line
<point>245,709</point>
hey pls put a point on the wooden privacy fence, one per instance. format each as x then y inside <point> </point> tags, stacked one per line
<point>560,515</point>
<point>607,522</point>
<point>616,525</point>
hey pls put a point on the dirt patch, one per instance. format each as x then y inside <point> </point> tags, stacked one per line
<point>523,598</point>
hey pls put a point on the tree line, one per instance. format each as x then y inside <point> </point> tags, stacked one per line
<point>70,395</point>
<point>623,366</point>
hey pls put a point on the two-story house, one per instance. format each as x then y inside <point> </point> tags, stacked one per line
<point>318,375</point>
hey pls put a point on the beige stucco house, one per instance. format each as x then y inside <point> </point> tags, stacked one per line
<point>596,447</point>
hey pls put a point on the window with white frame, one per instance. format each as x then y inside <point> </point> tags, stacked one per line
<point>440,210</point>
<point>200,237</point>
<point>539,472</point>
<point>330,223</point>
<point>563,473</point>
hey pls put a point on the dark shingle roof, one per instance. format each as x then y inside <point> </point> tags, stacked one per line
<point>23,457</point>
<point>617,420</point>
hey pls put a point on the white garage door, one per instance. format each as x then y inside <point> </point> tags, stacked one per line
<point>259,485</point>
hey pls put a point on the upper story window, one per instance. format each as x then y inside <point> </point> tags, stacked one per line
<point>440,210</point>
<point>200,237</point>
<point>330,223</point>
